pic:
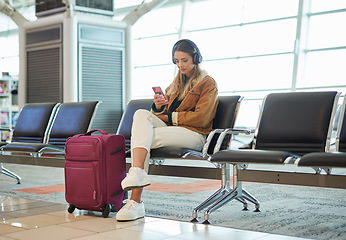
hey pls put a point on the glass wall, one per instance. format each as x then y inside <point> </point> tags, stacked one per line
<point>325,47</point>
<point>250,47</point>
<point>9,45</point>
<point>9,57</point>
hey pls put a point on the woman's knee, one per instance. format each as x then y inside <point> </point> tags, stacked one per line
<point>141,113</point>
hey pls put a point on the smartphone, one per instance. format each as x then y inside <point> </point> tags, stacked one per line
<point>158,90</point>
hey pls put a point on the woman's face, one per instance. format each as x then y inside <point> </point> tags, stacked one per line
<point>184,62</point>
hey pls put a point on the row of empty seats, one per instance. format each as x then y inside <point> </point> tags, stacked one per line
<point>43,128</point>
<point>293,128</point>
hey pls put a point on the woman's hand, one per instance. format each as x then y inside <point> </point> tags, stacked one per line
<point>159,101</point>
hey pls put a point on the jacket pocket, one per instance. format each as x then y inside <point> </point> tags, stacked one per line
<point>190,100</point>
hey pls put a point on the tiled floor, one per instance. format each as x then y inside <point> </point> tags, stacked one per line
<point>29,219</point>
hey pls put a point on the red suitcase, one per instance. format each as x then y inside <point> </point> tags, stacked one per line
<point>95,165</point>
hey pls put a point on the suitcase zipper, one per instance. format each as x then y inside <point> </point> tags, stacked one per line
<point>80,168</point>
<point>94,196</point>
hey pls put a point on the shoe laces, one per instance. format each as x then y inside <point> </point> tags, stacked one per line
<point>134,170</point>
<point>129,204</point>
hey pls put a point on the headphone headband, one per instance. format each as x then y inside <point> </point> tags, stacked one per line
<point>197,57</point>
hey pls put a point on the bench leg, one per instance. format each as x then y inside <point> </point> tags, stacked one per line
<point>237,193</point>
<point>252,199</point>
<point>9,173</point>
<point>225,199</point>
<point>222,191</point>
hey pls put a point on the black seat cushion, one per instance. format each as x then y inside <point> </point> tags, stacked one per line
<point>323,159</point>
<point>29,147</point>
<point>250,156</point>
<point>172,152</point>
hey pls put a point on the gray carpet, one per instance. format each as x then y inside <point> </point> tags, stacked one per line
<point>307,212</point>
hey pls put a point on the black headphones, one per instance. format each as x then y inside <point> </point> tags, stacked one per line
<point>196,58</point>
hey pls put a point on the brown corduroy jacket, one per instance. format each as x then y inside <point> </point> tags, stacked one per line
<point>197,110</point>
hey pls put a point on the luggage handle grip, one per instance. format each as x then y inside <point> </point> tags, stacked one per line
<point>96,130</point>
<point>117,192</point>
<point>116,150</point>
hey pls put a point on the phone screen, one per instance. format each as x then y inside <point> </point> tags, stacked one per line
<point>158,90</point>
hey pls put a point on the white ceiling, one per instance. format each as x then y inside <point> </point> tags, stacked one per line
<point>27,9</point>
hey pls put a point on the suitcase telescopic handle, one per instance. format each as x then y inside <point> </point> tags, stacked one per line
<point>96,130</point>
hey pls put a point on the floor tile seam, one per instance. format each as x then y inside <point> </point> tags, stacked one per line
<point>46,204</point>
<point>144,231</point>
<point>22,228</point>
<point>135,223</point>
<point>166,220</point>
<point>179,236</point>
<point>26,209</point>
<point>74,220</point>
<point>88,218</point>
<point>57,220</point>
<point>42,229</point>
<point>9,224</point>
<point>10,238</point>
<point>70,227</point>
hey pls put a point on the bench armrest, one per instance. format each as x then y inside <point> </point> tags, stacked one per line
<point>223,133</point>
<point>233,131</point>
<point>208,141</point>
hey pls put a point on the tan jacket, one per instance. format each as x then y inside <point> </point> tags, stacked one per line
<point>197,110</point>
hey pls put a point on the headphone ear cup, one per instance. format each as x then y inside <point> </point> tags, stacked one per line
<point>195,58</point>
<point>173,59</point>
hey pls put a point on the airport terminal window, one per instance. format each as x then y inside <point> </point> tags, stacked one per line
<point>251,47</point>
<point>151,24</point>
<point>327,30</point>
<point>9,54</point>
<point>250,41</point>
<point>325,69</point>
<point>325,51</point>
<point>152,46</point>
<point>272,72</point>
<point>248,46</point>
<point>270,9</point>
<point>233,37</point>
<point>153,66</point>
<point>202,14</point>
<point>323,5</point>
<point>224,37</point>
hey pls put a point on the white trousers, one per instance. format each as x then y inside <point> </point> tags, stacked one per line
<point>150,132</point>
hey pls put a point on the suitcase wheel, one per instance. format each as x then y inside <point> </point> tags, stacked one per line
<point>71,208</point>
<point>106,210</point>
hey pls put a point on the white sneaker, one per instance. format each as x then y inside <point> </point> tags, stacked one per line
<point>136,178</point>
<point>131,211</point>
